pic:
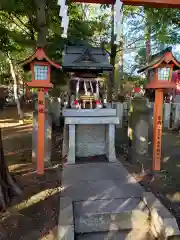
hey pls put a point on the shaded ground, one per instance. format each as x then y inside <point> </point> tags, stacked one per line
<point>166,185</point>
<point>35,214</point>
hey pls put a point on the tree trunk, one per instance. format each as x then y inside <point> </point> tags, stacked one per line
<point>20,112</point>
<point>148,30</point>
<point>41,6</point>
<point>8,187</point>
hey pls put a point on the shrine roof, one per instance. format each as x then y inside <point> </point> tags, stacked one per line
<point>85,58</point>
<point>165,56</point>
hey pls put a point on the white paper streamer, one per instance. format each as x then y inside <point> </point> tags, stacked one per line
<point>97,88</point>
<point>63,11</point>
<point>65,22</point>
<point>118,20</point>
<point>91,87</point>
<point>85,88</point>
<point>77,87</point>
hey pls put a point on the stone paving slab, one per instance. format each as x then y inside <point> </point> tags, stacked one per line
<point>102,189</point>
<point>99,181</point>
<point>118,205</point>
<point>110,215</point>
<point>96,171</point>
<point>124,235</point>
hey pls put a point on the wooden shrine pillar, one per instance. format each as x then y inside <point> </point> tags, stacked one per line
<point>157,136</point>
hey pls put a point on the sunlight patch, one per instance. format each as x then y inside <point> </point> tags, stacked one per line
<point>165,159</point>
<point>7,120</point>
<point>32,200</point>
<point>8,124</point>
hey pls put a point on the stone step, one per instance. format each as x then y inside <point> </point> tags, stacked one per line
<point>110,215</point>
<point>113,235</point>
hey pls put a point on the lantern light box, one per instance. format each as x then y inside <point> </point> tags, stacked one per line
<point>164,74</point>
<point>40,72</point>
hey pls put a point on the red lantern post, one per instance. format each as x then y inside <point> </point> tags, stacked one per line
<point>40,66</point>
<point>161,68</point>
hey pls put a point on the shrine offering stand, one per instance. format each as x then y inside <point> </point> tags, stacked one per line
<point>88,133</point>
<point>47,131</point>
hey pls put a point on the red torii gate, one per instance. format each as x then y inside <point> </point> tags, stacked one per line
<point>152,3</point>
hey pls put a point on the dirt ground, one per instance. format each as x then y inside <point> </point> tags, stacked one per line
<point>34,215</point>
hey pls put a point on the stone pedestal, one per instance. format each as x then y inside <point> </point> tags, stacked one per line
<point>56,108</point>
<point>139,131</point>
<point>167,112</point>
<point>119,110</point>
<point>177,114</point>
<point>87,135</point>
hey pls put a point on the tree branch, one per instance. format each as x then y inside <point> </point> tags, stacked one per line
<point>11,19</point>
<point>21,21</point>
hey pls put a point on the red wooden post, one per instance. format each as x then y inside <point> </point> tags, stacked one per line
<point>158,109</point>
<point>41,127</point>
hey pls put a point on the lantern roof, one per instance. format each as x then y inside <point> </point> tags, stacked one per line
<point>85,58</point>
<point>39,55</point>
<point>163,57</point>
<point>153,3</point>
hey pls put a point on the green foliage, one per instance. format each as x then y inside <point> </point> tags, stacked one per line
<point>18,30</point>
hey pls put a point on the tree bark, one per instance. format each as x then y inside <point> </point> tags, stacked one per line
<point>8,187</point>
<point>41,6</point>
<point>13,74</point>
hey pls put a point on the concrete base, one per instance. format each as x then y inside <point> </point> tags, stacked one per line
<point>86,140</point>
<point>89,132</point>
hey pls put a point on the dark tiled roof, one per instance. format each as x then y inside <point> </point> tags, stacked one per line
<point>74,55</point>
